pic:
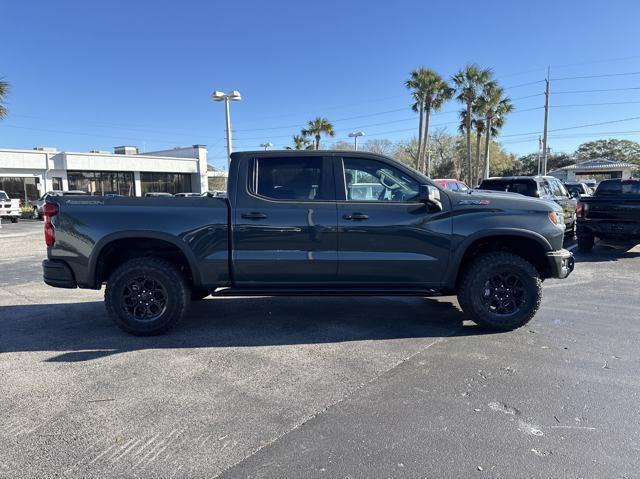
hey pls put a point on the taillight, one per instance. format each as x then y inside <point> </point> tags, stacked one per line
<point>49,210</point>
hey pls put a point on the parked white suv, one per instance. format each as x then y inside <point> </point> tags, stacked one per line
<point>9,208</point>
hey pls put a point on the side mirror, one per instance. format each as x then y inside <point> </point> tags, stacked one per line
<point>574,194</point>
<point>431,195</point>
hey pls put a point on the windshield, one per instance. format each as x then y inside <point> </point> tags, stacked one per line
<point>3,196</point>
<point>524,187</point>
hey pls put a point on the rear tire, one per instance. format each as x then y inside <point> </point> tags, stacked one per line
<point>147,296</point>
<point>585,243</point>
<point>500,291</point>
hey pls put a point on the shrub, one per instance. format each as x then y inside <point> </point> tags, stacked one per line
<point>26,211</point>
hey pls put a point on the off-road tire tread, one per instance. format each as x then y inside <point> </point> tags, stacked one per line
<point>177,283</point>
<point>476,269</point>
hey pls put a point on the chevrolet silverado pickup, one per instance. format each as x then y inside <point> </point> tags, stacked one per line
<point>611,214</point>
<point>310,223</point>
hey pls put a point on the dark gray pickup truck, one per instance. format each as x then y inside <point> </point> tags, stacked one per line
<point>308,222</point>
<point>611,214</point>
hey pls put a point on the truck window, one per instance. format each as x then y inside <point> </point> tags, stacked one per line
<point>289,178</point>
<point>609,188</point>
<point>631,187</point>
<point>370,180</point>
<point>3,196</point>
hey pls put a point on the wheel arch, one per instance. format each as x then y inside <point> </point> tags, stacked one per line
<point>174,250</point>
<point>528,244</point>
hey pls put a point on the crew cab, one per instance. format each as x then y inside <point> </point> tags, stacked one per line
<point>298,222</point>
<point>612,213</point>
<point>9,208</point>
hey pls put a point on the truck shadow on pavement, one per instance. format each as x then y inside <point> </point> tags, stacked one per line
<point>82,331</point>
<point>605,253</point>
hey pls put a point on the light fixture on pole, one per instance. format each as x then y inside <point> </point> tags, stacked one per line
<point>220,96</point>
<point>355,135</point>
<point>266,145</point>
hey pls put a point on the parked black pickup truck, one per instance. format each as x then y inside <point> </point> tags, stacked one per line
<point>309,222</point>
<point>611,214</point>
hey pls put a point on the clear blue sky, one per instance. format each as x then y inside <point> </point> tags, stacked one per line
<point>92,75</point>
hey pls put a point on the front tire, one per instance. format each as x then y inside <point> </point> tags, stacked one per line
<point>147,296</point>
<point>500,291</point>
<point>14,220</point>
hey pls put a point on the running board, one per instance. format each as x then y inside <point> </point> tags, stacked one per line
<point>325,292</point>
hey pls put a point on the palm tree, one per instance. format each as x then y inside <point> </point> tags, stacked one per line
<point>478,125</point>
<point>430,91</point>
<point>300,142</point>
<point>4,90</point>
<point>495,107</point>
<point>415,83</point>
<point>316,128</point>
<point>469,82</point>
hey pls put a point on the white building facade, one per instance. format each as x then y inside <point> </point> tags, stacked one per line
<point>28,174</point>
<point>596,169</point>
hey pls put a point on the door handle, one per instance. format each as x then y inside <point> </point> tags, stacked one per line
<point>356,217</point>
<point>254,216</point>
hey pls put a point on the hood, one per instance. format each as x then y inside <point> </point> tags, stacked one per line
<point>501,200</point>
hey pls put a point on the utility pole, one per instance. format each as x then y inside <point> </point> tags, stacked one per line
<point>546,122</point>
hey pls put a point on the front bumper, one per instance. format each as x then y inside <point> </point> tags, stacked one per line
<point>57,273</point>
<point>561,263</point>
<point>9,213</point>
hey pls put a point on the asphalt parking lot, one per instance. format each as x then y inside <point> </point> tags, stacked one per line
<point>320,387</point>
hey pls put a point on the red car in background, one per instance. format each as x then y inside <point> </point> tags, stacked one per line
<point>451,184</point>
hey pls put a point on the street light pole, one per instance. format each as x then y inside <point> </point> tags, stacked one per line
<point>227,97</point>
<point>355,135</point>
<point>227,112</point>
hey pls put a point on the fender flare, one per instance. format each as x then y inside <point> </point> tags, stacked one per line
<point>461,249</point>
<point>141,234</point>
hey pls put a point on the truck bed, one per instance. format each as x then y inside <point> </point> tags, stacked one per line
<point>199,227</point>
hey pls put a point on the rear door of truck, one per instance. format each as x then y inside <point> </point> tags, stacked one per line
<point>284,228</point>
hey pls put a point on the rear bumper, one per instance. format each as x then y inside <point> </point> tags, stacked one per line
<point>57,273</point>
<point>561,263</point>
<point>610,229</point>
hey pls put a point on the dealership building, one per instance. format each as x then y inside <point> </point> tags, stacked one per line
<point>28,174</point>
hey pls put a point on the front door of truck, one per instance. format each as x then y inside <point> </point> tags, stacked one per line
<point>285,222</point>
<point>386,235</point>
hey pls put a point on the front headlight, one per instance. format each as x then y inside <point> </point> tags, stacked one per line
<point>556,218</point>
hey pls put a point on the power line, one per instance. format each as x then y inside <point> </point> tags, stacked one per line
<point>595,104</point>
<point>574,135</point>
<point>523,84</point>
<point>596,91</point>
<point>575,127</point>
<point>606,75</point>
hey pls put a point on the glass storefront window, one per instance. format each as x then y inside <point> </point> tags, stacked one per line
<point>20,188</point>
<point>102,182</point>
<point>165,183</point>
